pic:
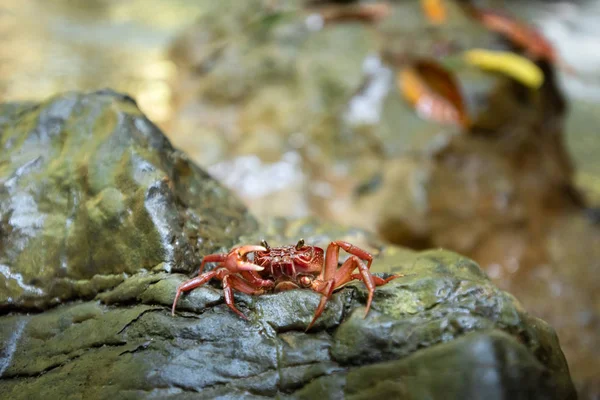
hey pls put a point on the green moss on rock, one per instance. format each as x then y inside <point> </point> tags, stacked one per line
<point>91,189</point>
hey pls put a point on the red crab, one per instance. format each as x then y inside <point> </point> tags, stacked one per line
<point>275,269</point>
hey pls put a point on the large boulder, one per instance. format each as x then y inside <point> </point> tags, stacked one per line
<point>91,191</point>
<point>442,331</point>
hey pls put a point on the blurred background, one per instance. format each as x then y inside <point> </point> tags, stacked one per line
<point>432,123</point>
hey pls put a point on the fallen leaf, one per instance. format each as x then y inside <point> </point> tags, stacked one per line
<point>535,45</point>
<point>435,11</point>
<point>433,92</point>
<point>511,64</point>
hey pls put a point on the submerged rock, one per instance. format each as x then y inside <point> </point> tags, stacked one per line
<point>442,331</point>
<point>90,191</point>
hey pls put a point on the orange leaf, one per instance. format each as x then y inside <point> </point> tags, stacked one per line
<point>535,44</point>
<point>519,33</point>
<point>434,10</point>
<point>433,92</point>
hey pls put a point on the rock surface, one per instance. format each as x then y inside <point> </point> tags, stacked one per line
<point>439,373</point>
<point>443,330</point>
<point>121,202</point>
<point>91,191</point>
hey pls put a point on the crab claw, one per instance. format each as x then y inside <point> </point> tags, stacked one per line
<point>247,266</point>
<point>242,251</point>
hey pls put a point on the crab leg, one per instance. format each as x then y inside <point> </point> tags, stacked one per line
<point>218,257</point>
<point>231,282</point>
<point>341,277</point>
<point>333,253</point>
<point>192,284</point>
<point>378,281</point>
<point>332,277</point>
<point>326,291</point>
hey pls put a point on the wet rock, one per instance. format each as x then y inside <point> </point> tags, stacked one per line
<point>442,325</point>
<point>90,192</point>
<point>505,195</point>
<point>478,365</point>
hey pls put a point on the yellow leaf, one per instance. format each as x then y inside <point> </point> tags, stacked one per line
<point>511,64</point>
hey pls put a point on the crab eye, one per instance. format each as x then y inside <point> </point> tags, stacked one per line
<point>265,244</point>
<point>305,281</point>
<point>300,244</point>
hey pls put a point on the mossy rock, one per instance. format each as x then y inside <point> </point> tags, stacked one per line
<point>91,191</point>
<point>442,331</point>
